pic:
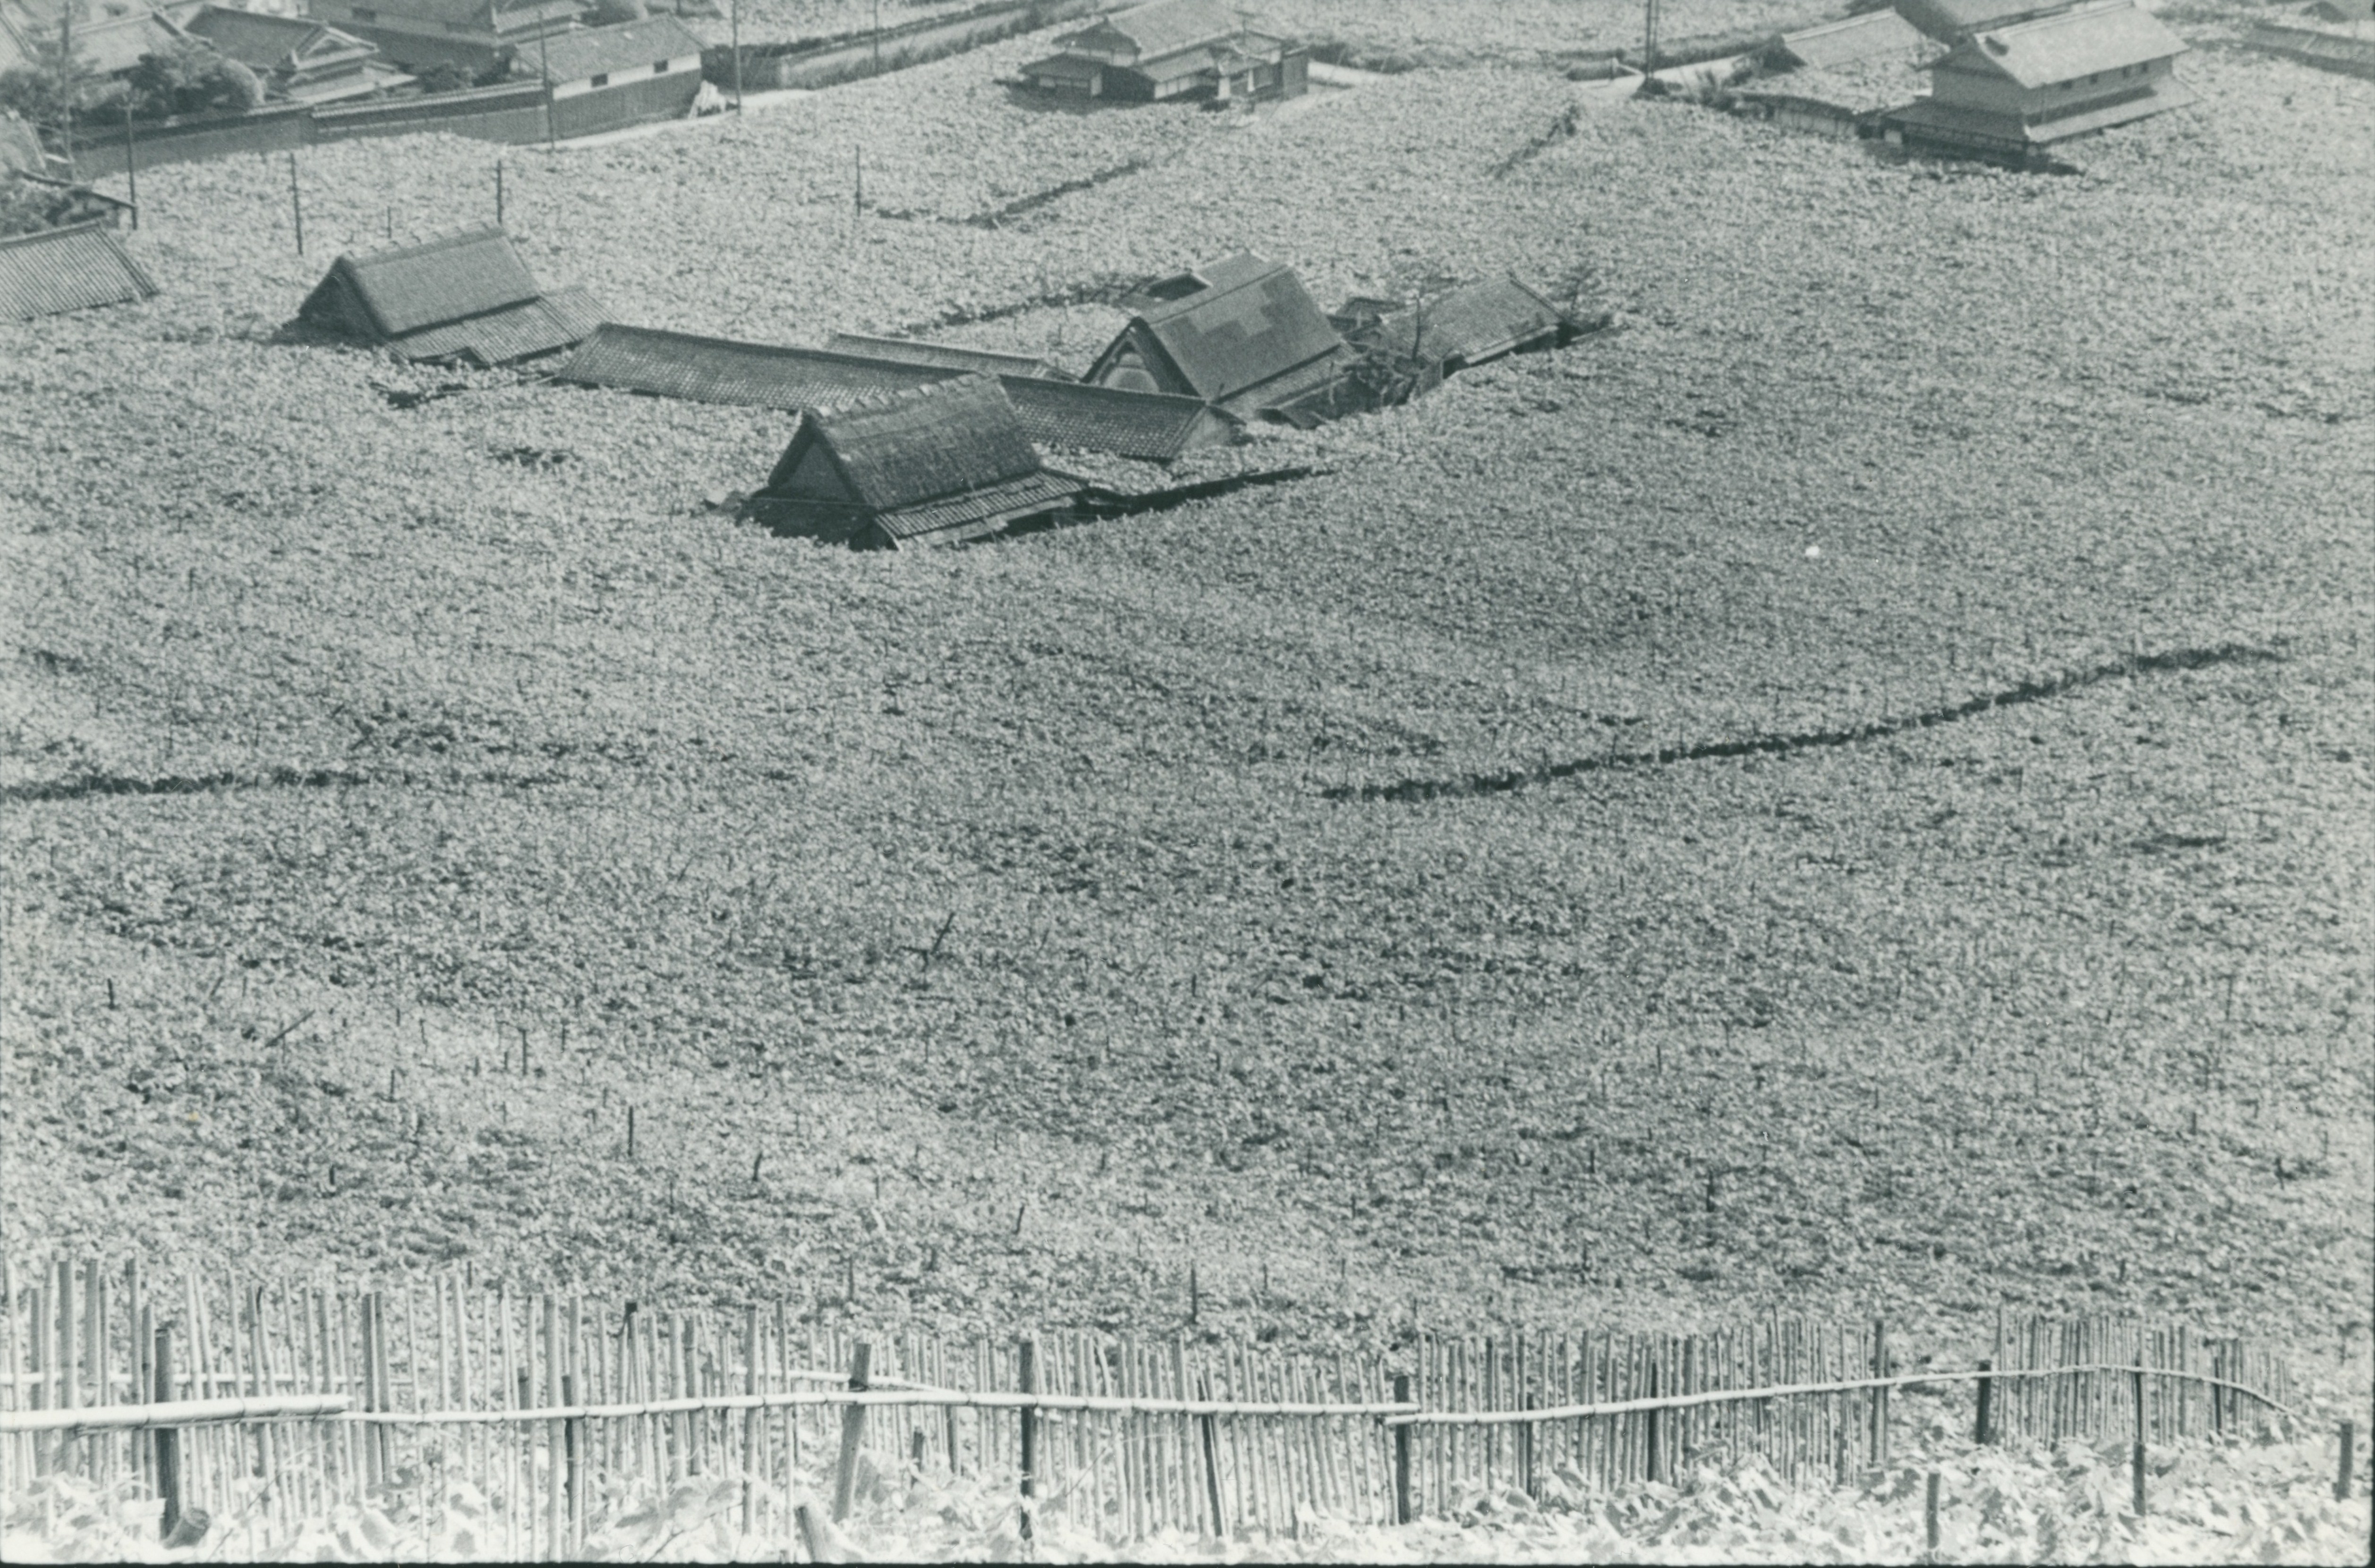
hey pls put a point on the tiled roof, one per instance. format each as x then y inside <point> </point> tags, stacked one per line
<point>1154,427</point>
<point>1163,27</point>
<point>950,355</point>
<point>1955,122</point>
<point>1856,38</point>
<point>445,279</point>
<point>268,42</point>
<point>1947,20</point>
<point>1253,323</point>
<point>2072,45</point>
<point>717,369</point>
<point>55,270</point>
<point>630,46</point>
<point>935,441</point>
<point>1036,492</point>
<point>516,332</point>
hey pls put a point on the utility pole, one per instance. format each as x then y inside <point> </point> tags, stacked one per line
<point>296,204</point>
<point>1649,38</point>
<point>738,56</point>
<point>544,69</point>
<point>131,166</point>
<point>878,37</point>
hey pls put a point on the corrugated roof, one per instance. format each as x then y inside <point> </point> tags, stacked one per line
<point>630,46</point>
<point>914,353</point>
<point>1252,324</point>
<point>949,439</point>
<point>1856,38</point>
<point>439,280</point>
<point>1161,27</point>
<point>2072,45</point>
<point>1036,492</point>
<point>717,369</point>
<point>516,332</point>
<point>56,270</point>
<point>1153,426</point>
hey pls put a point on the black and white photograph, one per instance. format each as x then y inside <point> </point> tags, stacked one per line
<point>1195,782</point>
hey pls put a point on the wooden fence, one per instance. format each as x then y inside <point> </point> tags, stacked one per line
<point>267,1404</point>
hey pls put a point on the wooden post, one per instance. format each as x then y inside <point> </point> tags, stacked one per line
<point>296,204</point>
<point>853,1433</point>
<point>1880,1395</point>
<point>1026,1378</point>
<point>1525,1451</point>
<point>1930,1516</point>
<point>2342,1477</point>
<point>754,1425</point>
<point>499,194</point>
<point>1208,1426</point>
<point>168,1441</point>
<point>1985,1432</point>
<point>1653,1427</point>
<point>2140,1436</point>
<point>736,25</point>
<point>1403,1509</point>
<point>131,166</point>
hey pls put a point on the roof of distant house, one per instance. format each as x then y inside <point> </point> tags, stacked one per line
<point>953,356</point>
<point>1152,426</point>
<point>1854,38</point>
<point>2070,44</point>
<point>1474,321</point>
<point>55,270</point>
<point>1947,20</point>
<point>109,43</point>
<point>593,52</point>
<point>1159,28</point>
<point>267,42</point>
<point>719,369</point>
<point>1235,326</point>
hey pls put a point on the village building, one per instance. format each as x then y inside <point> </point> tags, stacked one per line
<point>479,37</point>
<point>110,36</point>
<point>1174,48</point>
<point>52,271</point>
<point>2010,91</point>
<point>1241,333</point>
<point>1949,21</point>
<point>949,355</point>
<point>299,60</point>
<point>1064,414</point>
<point>603,78</point>
<point>937,465</point>
<point>463,297</point>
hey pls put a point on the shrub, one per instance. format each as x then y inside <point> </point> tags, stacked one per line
<point>444,78</point>
<point>190,78</point>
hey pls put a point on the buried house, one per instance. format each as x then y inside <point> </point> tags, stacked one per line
<point>52,271</point>
<point>2009,92</point>
<point>465,296</point>
<point>935,465</point>
<point>1241,333</point>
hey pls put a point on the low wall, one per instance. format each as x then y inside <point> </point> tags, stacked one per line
<point>2326,51</point>
<point>100,151</point>
<point>510,111</point>
<point>854,55</point>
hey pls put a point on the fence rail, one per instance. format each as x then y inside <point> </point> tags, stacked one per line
<point>268,1404</point>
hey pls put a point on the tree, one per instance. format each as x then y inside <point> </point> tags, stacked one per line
<point>56,83</point>
<point>189,77</point>
<point>608,13</point>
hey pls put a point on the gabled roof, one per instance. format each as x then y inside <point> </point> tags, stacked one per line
<point>1855,38</point>
<point>466,17</point>
<point>914,353</point>
<point>592,52</point>
<point>56,270</point>
<point>267,42</point>
<point>408,287</point>
<point>930,444</point>
<point>1155,30</point>
<point>2069,45</point>
<point>1234,327</point>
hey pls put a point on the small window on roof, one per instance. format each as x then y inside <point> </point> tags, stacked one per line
<point>660,68</point>
<point>1174,288</point>
<point>602,79</point>
<point>363,14</point>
